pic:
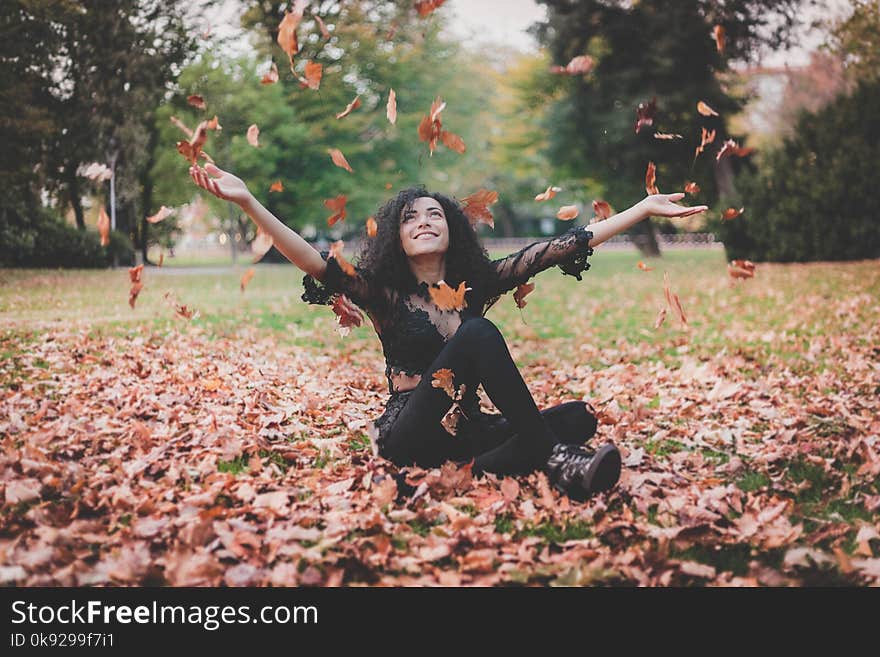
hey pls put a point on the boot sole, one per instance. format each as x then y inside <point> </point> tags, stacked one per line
<point>604,471</point>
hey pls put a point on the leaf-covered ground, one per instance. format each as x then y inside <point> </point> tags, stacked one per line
<point>141,448</point>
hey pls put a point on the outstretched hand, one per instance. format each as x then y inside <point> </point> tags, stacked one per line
<point>664,205</point>
<point>223,184</point>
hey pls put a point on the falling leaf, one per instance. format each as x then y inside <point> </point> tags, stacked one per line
<point>161,259</point>
<point>661,317</point>
<point>135,277</point>
<point>253,135</point>
<point>425,7</point>
<point>443,379</point>
<point>602,209</point>
<point>577,66</point>
<point>520,295</point>
<point>261,245</point>
<point>731,213</point>
<point>272,76</point>
<point>313,73</point>
<point>430,130</point>
<point>706,138</point>
<point>347,314</point>
<point>181,310</point>
<point>372,227</point>
<point>452,141</point>
<point>197,101</point>
<point>645,114</point>
<point>663,135</point>
<point>214,124</point>
<point>276,186</point>
<point>672,299</point>
<point>104,226</point>
<point>353,105</point>
<point>730,147</point>
<point>324,32</point>
<point>163,213</point>
<point>548,194</point>
<point>336,254</point>
<point>448,298</point>
<point>287,30</point>
<point>705,110</point>
<point>641,265</point>
<point>567,212</point>
<point>651,179</point>
<point>391,107</point>
<point>692,188</point>
<point>339,159</point>
<point>192,149</point>
<point>337,206</point>
<point>741,269</point>
<point>246,278</point>
<point>719,33</point>
<point>476,207</point>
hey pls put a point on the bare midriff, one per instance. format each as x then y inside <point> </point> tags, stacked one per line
<point>402,382</point>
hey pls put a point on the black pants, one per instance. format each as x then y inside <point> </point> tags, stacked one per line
<point>518,442</point>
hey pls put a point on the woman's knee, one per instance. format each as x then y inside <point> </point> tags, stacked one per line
<point>477,329</point>
<point>572,421</point>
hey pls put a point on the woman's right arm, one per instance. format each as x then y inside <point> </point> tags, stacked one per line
<point>228,187</point>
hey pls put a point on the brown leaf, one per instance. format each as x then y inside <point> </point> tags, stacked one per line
<point>452,141</point>
<point>549,193</point>
<point>276,186</point>
<point>567,212</point>
<point>672,299</point>
<point>476,207</point>
<point>651,179</point>
<point>253,135</point>
<point>706,138</point>
<point>729,148</point>
<point>372,227</point>
<point>336,253</point>
<point>430,130</point>
<point>313,74</point>
<point>271,77</point>
<point>443,379</point>
<point>451,419</point>
<point>197,101</point>
<point>103,226</point>
<point>705,110</point>
<point>520,295</point>
<point>353,105</point>
<point>163,213</point>
<point>339,159</point>
<point>287,30</point>
<point>448,298</point>
<point>246,278</point>
<point>337,206</point>
<point>661,317</point>
<point>391,107</point>
<point>325,33</point>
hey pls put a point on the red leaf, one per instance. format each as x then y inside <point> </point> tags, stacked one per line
<point>731,213</point>
<point>425,7</point>
<point>337,205</point>
<point>692,188</point>
<point>246,278</point>
<point>719,33</point>
<point>372,227</point>
<point>276,186</point>
<point>641,265</point>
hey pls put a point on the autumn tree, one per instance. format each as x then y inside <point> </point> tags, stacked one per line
<point>641,51</point>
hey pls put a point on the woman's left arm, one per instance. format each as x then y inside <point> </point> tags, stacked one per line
<point>657,205</point>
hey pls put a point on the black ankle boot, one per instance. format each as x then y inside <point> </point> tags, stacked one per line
<point>580,472</point>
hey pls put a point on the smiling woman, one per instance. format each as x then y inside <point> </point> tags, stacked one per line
<point>426,283</point>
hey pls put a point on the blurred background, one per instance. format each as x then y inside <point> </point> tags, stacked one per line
<point>93,97</point>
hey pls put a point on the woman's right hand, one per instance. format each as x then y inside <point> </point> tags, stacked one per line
<point>223,184</point>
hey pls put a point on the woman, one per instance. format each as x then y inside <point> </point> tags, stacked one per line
<point>423,241</point>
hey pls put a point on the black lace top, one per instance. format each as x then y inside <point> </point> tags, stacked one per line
<point>412,329</point>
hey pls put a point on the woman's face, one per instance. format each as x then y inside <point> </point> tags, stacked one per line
<point>423,228</point>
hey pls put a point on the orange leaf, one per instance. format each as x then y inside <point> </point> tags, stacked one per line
<point>104,226</point>
<point>602,209</point>
<point>651,179</point>
<point>163,213</point>
<point>577,66</point>
<point>214,124</point>
<point>324,32</point>
<point>253,135</point>
<point>276,186</point>
<point>336,253</point>
<point>730,147</point>
<point>337,205</point>
<point>425,7</point>
<point>161,259</point>
<point>197,101</point>
<point>313,73</point>
<point>430,130</point>
<point>641,265</point>
<point>192,149</point>
<point>443,379</point>
<point>133,293</point>
<point>719,33</point>
<point>135,273</point>
<point>672,299</point>
<point>706,138</point>
<point>391,107</point>
<point>353,105</point>
<point>692,188</point>
<point>287,30</point>
<point>448,298</point>
<point>740,272</point>
<point>705,110</point>
<point>452,141</point>
<point>372,227</point>
<point>476,207</point>
<point>246,278</point>
<point>731,213</point>
<point>272,76</point>
<point>567,212</point>
<point>548,194</point>
<point>339,159</point>
<point>520,295</point>
<point>661,317</point>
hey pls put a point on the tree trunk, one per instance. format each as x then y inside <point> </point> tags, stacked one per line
<point>75,199</point>
<point>644,236</point>
<point>724,179</point>
<point>147,195</point>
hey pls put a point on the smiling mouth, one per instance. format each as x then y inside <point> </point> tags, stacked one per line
<point>421,235</point>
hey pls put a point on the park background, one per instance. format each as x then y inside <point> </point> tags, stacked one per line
<point>212,428</point>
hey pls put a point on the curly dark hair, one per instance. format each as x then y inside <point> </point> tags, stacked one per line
<point>383,261</point>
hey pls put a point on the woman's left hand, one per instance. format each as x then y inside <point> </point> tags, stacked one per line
<point>664,205</point>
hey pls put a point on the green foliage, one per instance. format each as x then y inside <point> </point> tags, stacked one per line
<point>814,197</point>
<point>47,241</point>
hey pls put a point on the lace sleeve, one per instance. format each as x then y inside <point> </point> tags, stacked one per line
<point>336,281</point>
<point>569,250</point>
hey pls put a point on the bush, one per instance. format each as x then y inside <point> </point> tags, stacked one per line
<point>815,197</point>
<point>44,240</point>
